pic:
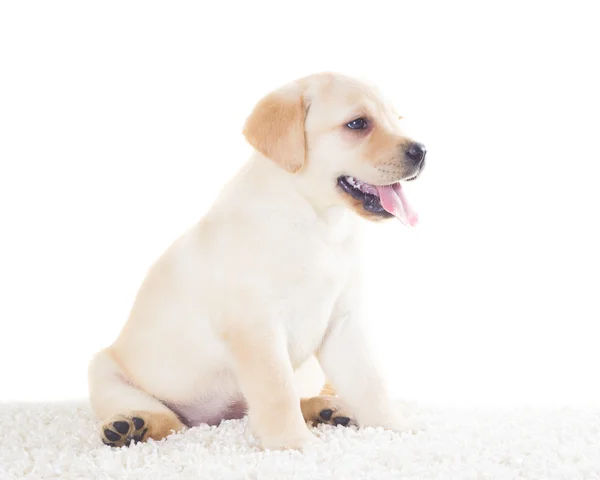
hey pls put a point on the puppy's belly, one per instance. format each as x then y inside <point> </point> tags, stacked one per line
<point>210,409</point>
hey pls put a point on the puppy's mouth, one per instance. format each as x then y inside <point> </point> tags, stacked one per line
<point>381,200</point>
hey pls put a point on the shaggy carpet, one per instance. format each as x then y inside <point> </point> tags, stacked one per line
<point>59,441</point>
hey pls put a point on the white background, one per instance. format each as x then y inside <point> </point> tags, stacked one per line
<point>120,122</point>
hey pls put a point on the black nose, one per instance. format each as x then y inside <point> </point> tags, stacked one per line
<point>416,152</point>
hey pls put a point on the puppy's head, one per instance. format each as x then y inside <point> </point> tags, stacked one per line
<point>342,141</point>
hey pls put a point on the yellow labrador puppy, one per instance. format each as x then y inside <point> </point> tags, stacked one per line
<point>267,280</point>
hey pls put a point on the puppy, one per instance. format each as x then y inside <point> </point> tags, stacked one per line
<point>267,281</point>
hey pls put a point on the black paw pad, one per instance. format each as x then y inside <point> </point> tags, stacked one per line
<point>112,436</point>
<point>326,414</point>
<point>110,444</point>
<point>341,421</point>
<point>140,437</point>
<point>138,423</point>
<point>121,427</point>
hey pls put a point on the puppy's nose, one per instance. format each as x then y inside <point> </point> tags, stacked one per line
<point>416,152</point>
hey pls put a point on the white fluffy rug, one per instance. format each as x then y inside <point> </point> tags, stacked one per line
<point>59,441</point>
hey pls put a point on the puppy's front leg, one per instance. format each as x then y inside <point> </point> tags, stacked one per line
<point>265,376</point>
<point>348,365</point>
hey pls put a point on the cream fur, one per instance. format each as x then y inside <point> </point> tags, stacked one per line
<point>262,285</point>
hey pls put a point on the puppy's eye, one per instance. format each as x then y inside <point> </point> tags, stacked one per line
<point>358,124</point>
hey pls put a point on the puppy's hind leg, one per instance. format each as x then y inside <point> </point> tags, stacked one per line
<point>327,409</point>
<point>126,412</point>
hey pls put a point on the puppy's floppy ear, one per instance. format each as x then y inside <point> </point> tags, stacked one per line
<point>276,127</point>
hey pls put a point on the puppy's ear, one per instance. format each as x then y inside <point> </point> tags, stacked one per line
<point>276,127</point>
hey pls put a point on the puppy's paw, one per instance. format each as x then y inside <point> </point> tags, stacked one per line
<point>327,409</point>
<point>121,430</point>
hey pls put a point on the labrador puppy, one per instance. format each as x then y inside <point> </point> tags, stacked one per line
<point>267,281</point>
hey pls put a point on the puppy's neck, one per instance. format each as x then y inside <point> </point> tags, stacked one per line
<point>270,191</point>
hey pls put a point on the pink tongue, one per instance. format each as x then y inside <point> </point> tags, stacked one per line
<point>394,201</point>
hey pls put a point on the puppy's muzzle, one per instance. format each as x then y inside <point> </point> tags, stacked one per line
<point>415,152</point>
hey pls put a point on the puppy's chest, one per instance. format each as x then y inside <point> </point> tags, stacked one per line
<point>311,297</point>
